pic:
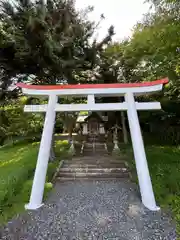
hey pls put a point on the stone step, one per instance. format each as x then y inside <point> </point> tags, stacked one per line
<point>96,142</point>
<point>88,147</point>
<point>65,179</point>
<point>92,170</point>
<point>96,155</point>
<point>96,145</point>
<point>94,165</point>
<point>107,157</point>
<point>93,174</point>
<point>94,160</point>
<point>97,148</point>
<point>95,152</point>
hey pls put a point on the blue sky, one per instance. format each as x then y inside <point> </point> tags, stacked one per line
<point>123,14</point>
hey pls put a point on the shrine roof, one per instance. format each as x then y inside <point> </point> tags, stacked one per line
<point>85,118</point>
<point>81,119</point>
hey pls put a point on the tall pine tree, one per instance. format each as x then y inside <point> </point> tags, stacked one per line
<point>47,41</point>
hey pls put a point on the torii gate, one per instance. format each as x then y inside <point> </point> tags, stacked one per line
<point>128,90</point>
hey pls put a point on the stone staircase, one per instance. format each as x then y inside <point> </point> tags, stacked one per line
<point>94,149</point>
<point>95,164</point>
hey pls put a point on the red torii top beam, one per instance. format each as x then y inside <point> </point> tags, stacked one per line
<point>91,86</point>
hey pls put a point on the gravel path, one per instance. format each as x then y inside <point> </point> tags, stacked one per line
<point>91,210</point>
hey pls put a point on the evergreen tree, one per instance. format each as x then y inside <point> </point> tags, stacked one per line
<point>47,41</point>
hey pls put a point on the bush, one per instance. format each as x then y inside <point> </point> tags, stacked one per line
<point>61,148</point>
<point>15,122</point>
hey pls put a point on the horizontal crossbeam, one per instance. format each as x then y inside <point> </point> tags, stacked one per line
<point>114,89</point>
<point>93,107</point>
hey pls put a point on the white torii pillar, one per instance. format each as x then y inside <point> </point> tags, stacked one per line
<point>145,184</point>
<point>92,90</point>
<point>43,156</point>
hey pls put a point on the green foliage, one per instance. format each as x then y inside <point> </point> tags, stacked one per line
<point>169,4</point>
<point>83,113</point>
<point>16,124</point>
<point>155,43</point>
<point>61,148</point>
<point>120,62</point>
<point>47,40</point>
<point>17,165</point>
<point>153,52</point>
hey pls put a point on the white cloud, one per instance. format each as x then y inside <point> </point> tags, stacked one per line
<point>123,14</point>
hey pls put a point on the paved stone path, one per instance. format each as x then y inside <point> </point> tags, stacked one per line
<point>91,210</point>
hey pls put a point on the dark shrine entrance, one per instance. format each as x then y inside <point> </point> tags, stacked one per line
<point>92,126</point>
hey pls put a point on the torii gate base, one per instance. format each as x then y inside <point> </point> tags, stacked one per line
<point>92,90</point>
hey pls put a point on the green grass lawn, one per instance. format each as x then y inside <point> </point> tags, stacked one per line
<point>164,166</point>
<point>17,165</point>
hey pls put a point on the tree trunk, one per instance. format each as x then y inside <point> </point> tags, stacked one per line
<point>70,132</point>
<point>125,135</point>
<point>2,140</point>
